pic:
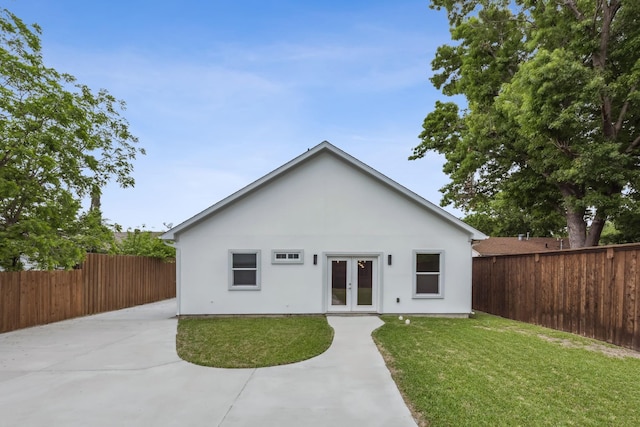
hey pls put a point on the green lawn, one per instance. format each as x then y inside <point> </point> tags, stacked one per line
<point>491,371</point>
<point>250,342</point>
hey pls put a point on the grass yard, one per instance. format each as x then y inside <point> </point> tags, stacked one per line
<point>251,342</point>
<point>491,371</point>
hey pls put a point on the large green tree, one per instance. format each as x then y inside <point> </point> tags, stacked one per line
<point>60,143</point>
<point>552,114</point>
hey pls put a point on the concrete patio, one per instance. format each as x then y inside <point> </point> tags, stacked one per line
<point>121,368</point>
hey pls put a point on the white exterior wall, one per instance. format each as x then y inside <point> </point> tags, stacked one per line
<point>324,206</point>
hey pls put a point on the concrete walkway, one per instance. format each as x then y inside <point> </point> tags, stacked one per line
<point>121,368</point>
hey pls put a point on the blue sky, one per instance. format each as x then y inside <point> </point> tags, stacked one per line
<point>222,92</point>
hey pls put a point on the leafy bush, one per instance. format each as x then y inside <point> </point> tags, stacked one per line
<point>145,243</point>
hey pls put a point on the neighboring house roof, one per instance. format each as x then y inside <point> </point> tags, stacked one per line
<point>324,147</point>
<point>518,245</point>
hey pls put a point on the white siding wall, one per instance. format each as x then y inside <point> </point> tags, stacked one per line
<point>324,206</point>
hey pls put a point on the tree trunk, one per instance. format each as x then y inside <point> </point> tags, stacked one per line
<point>576,224</point>
<point>577,229</point>
<point>593,238</point>
<point>95,198</point>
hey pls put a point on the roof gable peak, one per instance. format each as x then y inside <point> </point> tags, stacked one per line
<point>324,146</point>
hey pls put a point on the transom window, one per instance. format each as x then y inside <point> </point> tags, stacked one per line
<point>427,278</point>
<point>245,270</point>
<point>295,256</point>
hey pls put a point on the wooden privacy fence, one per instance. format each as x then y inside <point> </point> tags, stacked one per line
<point>594,292</point>
<point>103,283</point>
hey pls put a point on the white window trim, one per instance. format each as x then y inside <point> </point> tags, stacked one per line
<point>255,287</point>
<point>287,260</point>
<point>441,282</point>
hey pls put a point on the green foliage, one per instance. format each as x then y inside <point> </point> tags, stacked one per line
<point>503,217</point>
<point>59,143</point>
<point>552,117</point>
<point>145,243</point>
<point>610,235</point>
<point>251,342</point>
<point>490,371</point>
<point>625,225</point>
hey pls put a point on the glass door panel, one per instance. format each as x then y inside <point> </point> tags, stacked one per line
<point>339,282</point>
<point>365,282</point>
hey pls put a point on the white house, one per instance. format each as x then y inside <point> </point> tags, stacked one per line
<point>323,233</point>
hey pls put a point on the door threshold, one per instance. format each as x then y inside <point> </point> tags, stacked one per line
<point>351,313</point>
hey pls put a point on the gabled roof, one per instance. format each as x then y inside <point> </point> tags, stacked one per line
<point>516,245</point>
<point>323,147</point>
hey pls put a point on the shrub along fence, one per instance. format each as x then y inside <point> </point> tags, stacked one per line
<point>594,292</point>
<point>102,283</point>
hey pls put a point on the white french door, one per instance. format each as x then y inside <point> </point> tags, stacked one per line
<point>353,283</point>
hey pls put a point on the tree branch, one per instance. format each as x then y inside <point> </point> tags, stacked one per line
<point>623,112</point>
<point>633,145</point>
<point>571,4</point>
<point>615,5</point>
<point>596,13</point>
<point>563,147</point>
<point>5,159</point>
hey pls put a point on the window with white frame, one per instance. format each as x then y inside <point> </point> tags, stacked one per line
<point>293,256</point>
<point>244,269</point>
<point>427,274</point>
